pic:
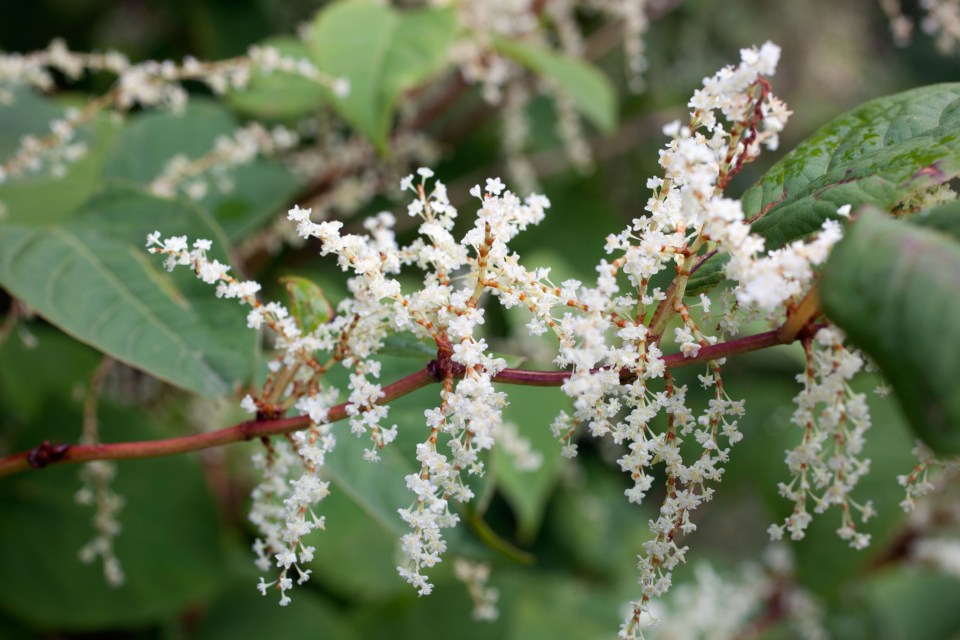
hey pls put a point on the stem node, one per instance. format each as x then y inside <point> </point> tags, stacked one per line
<point>46,453</point>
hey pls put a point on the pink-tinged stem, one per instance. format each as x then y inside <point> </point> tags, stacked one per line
<point>47,454</point>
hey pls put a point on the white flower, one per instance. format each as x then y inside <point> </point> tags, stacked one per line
<point>299,215</point>
<point>341,87</point>
<point>248,404</point>
<point>494,186</point>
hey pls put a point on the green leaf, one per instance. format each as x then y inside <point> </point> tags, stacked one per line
<point>378,488</point>
<point>308,305</point>
<point>244,613</point>
<point>42,198</point>
<point>591,92</point>
<point>892,287</point>
<point>382,52</point>
<point>532,410</point>
<point>93,279</point>
<point>170,545</point>
<point>10,630</point>
<point>881,153</point>
<point>552,608</point>
<point>444,614</point>
<point>407,345</point>
<point>58,366</point>
<point>150,141</point>
<point>599,530</point>
<point>916,604</point>
<point>28,114</point>
<point>944,218</point>
<point>279,95</point>
<point>129,213</point>
<point>707,275</point>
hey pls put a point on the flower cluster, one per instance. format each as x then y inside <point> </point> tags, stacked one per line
<point>283,509</point>
<point>283,505</point>
<point>942,20</point>
<point>522,455</point>
<point>469,413</point>
<point>55,152</point>
<point>717,606</point>
<point>609,336</point>
<point>827,464</point>
<point>475,575</point>
<point>612,382</point>
<point>150,84</point>
<point>97,477</point>
<point>485,21</point>
<point>785,274</point>
<point>503,81</point>
<point>243,146</point>
<point>939,18</point>
<point>919,482</point>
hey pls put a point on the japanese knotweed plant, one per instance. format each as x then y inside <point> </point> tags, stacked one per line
<point>609,335</point>
<point>808,252</point>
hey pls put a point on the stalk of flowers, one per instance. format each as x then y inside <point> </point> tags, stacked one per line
<point>474,53</point>
<point>475,576</point>
<point>611,382</point>
<point>97,490</point>
<point>465,422</point>
<point>921,479</point>
<point>687,214</point>
<point>283,508</point>
<point>243,146</point>
<point>826,465</point>
<point>283,504</point>
<point>155,83</point>
<point>55,151</point>
<point>483,22</point>
<point>515,135</point>
<point>33,69</point>
<point>470,411</point>
<point>933,521</point>
<point>469,414</point>
<point>938,18</point>
<point>149,84</point>
<point>502,79</point>
<point>942,19</point>
<point>743,602</point>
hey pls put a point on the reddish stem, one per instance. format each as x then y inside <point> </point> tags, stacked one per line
<point>47,454</point>
<point>672,361</point>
